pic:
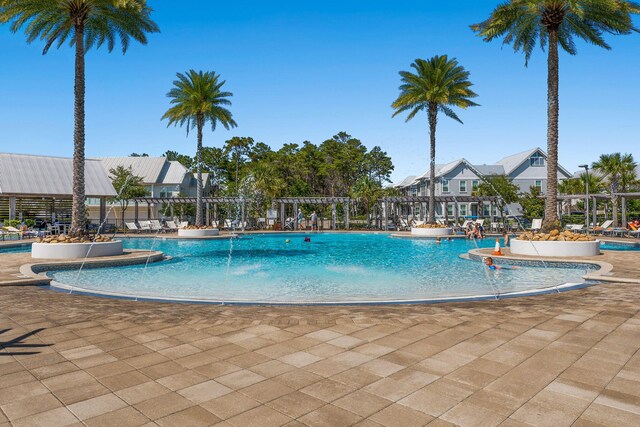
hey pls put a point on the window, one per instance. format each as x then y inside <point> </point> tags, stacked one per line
<point>475,184</point>
<point>463,186</point>
<point>463,210</point>
<point>538,184</point>
<point>449,210</point>
<point>486,211</point>
<point>445,185</point>
<point>537,160</point>
<point>414,190</point>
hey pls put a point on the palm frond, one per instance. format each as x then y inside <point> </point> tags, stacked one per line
<point>103,22</point>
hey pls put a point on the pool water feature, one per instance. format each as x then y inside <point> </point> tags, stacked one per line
<point>332,267</point>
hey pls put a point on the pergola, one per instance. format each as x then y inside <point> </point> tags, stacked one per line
<point>413,200</point>
<point>208,202</point>
<point>323,201</point>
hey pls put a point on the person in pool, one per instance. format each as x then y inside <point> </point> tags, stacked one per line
<point>488,261</point>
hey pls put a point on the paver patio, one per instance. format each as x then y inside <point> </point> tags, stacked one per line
<point>562,359</point>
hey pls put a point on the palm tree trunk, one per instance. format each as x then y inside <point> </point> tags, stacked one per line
<point>78,215</point>
<point>200,125</point>
<point>433,121</point>
<point>614,203</point>
<point>551,203</point>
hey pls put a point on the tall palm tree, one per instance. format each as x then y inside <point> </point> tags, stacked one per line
<point>197,98</point>
<point>85,24</point>
<point>524,23</point>
<point>618,171</point>
<point>437,85</point>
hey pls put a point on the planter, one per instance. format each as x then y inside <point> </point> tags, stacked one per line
<point>554,248</point>
<point>205,232</point>
<point>431,232</point>
<point>75,250</point>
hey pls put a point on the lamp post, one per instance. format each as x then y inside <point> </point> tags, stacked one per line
<point>586,181</point>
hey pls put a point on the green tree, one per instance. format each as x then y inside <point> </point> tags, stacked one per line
<point>378,165</point>
<point>368,192</point>
<point>239,148</point>
<point>216,162</point>
<point>532,203</point>
<point>524,23</point>
<point>501,188</point>
<point>84,24</point>
<point>579,185</point>
<point>438,85</point>
<point>618,171</point>
<point>198,98</point>
<point>138,155</point>
<point>127,186</point>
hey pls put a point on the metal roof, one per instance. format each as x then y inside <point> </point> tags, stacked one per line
<point>31,175</point>
<point>173,172</point>
<point>512,162</point>
<point>147,168</point>
<point>406,182</point>
<point>489,170</point>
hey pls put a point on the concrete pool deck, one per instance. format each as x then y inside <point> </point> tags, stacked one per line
<point>560,359</point>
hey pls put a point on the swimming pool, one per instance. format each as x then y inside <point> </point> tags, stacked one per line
<point>331,268</point>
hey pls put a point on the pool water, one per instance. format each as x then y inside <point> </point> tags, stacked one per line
<point>329,268</point>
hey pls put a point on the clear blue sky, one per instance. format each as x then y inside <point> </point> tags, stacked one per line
<point>305,70</point>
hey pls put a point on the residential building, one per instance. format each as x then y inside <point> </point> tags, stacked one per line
<point>161,178</point>
<point>461,177</point>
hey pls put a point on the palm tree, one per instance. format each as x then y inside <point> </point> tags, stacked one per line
<point>522,23</point>
<point>437,85</point>
<point>618,171</point>
<point>85,24</point>
<point>197,98</point>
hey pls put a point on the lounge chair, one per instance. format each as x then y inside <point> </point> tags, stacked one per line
<point>14,231</point>
<point>599,228</point>
<point>145,226</point>
<point>131,226</point>
<point>576,228</point>
<point>155,225</point>
<point>183,224</point>
<point>171,226</point>
<point>289,224</point>
<point>536,225</point>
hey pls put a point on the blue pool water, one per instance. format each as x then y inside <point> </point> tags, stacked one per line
<point>330,268</point>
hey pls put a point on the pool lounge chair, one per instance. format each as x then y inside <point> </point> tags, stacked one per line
<point>576,228</point>
<point>536,225</point>
<point>171,226</point>
<point>183,224</point>
<point>14,231</point>
<point>131,226</point>
<point>145,225</point>
<point>602,227</point>
<point>155,225</point>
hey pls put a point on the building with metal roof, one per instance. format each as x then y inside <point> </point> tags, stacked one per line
<point>460,177</point>
<point>41,187</point>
